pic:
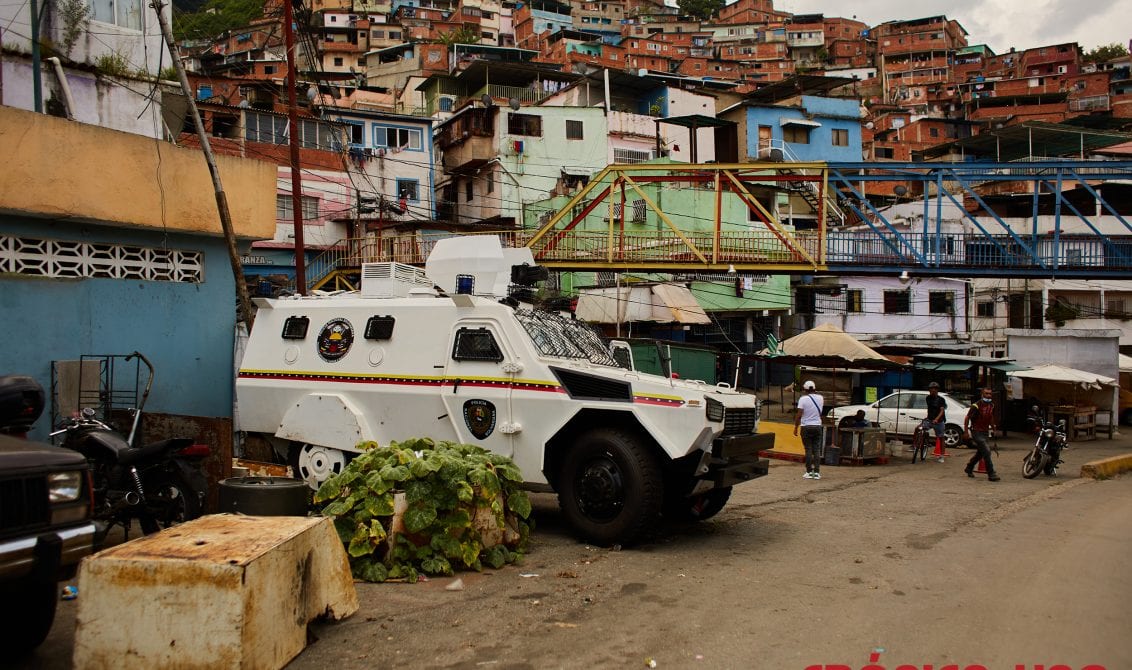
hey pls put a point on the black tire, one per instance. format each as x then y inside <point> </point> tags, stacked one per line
<point>610,487</point>
<point>1033,464</point>
<point>699,507</point>
<point>919,443</point>
<point>27,614</point>
<point>953,436</point>
<point>264,496</point>
<point>171,499</point>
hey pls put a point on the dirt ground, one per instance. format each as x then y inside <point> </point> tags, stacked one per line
<point>916,564</point>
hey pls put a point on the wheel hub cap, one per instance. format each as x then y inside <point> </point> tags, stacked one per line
<point>317,464</point>
<point>600,490</point>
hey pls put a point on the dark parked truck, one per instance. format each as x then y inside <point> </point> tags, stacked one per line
<point>45,525</point>
<point>467,362</point>
<point>45,530</point>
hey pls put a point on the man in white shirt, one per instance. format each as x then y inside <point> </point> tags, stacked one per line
<point>811,406</point>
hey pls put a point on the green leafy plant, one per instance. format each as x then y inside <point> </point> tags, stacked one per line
<point>421,506</point>
<point>76,19</point>
<point>113,65</point>
<point>1060,312</point>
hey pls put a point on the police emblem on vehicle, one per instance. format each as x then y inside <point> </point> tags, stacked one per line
<point>334,339</point>
<point>479,415</point>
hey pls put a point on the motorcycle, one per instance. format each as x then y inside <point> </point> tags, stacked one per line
<point>1046,454</point>
<point>158,484</point>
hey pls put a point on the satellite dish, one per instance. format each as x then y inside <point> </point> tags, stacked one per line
<point>487,100</point>
<point>312,93</point>
<point>514,104</point>
<point>244,104</point>
<point>900,190</point>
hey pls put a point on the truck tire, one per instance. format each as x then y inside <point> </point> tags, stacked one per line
<point>700,507</point>
<point>264,496</point>
<point>28,612</point>
<point>610,487</point>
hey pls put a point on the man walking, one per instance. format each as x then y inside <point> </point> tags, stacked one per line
<point>808,417</point>
<point>937,415</point>
<point>978,426</point>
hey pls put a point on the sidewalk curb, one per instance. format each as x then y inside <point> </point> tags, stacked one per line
<point>1107,467</point>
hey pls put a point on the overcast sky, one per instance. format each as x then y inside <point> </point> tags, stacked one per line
<point>1001,24</point>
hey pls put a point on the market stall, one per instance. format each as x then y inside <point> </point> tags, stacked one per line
<point>1081,398</point>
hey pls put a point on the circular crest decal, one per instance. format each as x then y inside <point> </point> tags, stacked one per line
<point>479,415</point>
<point>334,339</point>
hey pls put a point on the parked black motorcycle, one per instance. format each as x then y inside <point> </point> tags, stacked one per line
<point>157,484</point>
<point>1046,454</point>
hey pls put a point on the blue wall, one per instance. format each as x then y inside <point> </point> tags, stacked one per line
<point>186,330</point>
<point>831,113</point>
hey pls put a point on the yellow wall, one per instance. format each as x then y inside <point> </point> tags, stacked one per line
<point>62,169</point>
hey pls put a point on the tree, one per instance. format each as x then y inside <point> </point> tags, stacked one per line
<point>462,35</point>
<point>700,9</point>
<point>1106,53</point>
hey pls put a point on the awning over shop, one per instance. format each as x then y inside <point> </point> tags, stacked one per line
<point>787,121</point>
<point>959,363</point>
<point>661,303</point>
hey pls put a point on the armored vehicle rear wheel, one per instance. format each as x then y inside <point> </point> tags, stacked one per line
<point>610,487</point>
<point>314,463</point>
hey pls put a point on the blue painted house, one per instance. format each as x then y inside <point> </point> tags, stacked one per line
<point>805,128</point>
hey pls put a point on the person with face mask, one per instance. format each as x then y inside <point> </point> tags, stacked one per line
<point>978,426</point>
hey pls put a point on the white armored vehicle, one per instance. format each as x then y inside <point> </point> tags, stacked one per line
<point>446,354</point>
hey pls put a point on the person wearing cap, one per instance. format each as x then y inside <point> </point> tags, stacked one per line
<point>937,416</point>
<point>807,418</point>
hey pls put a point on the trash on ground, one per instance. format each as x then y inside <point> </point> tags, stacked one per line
<point>70,592</point>
<point>455,585</point>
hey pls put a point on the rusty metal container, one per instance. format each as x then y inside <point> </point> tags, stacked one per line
<point>222,591</point>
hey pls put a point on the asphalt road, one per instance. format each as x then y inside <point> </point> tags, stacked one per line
<point>916,564</point>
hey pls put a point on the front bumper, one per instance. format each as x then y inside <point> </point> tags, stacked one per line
<point>733,460</point>
<point>50,555</point>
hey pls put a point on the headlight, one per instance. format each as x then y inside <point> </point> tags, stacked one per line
<point>1048,432</point>
<point>714,410</point>
<point>64,486</point>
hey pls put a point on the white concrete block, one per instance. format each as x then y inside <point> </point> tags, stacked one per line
<point>222,591</point>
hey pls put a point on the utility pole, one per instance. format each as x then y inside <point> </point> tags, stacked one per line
<point>221,199</point>
<point>37,86</point>
<point>293,131</point>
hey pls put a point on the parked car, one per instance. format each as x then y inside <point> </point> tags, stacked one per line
<point>45,519</point>
<point>899,413</point>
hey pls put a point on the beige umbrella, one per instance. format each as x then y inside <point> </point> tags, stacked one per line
<point>827,346</point>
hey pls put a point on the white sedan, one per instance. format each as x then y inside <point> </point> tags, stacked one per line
<point>899,413</point>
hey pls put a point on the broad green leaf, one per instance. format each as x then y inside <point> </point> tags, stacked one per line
<point>376,483</point>
<point>329,489</point>
<point>436,565</point>
<point>337,508</point>
<point>470,552</point>
<point>418,516</point>
<point>519,503</point>
<point>360,544</point>
<point>446,545</point>
<point>464,492</point>
<point>397,473</point>
<point>417,490</point>
<point>376,531</point>
<point>495,557</point>
<point>370,570</point>
<point>380,505</point>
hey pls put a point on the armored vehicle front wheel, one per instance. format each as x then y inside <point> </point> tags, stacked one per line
<point>314,463</point>
<point>610,487</point>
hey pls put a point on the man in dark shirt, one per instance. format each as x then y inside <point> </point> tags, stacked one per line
<point>978,425</point>
<point>937,415</point>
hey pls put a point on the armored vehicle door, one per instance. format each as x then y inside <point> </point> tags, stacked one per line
<point>477,385</point>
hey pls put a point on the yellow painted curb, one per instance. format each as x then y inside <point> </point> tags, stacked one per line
<point>1107,467</point>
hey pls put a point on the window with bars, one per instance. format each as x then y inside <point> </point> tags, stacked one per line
<point>266,128</point>
<point>941,302</point>
<point>524,124</point>
<point>573,130</point>
<point>408,189</point>
<point>284,210</point>
<point>898,302</point>
<point>630,156</point>
<point>855,301</point>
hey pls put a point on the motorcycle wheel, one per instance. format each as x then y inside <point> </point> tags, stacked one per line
<point>1033,464</point>
<point>169,500</point>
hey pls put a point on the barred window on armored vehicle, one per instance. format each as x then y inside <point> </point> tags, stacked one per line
<point>379,328</point>
<point>476,344</point>
<point>295,327</point>
<point>555,335</point>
